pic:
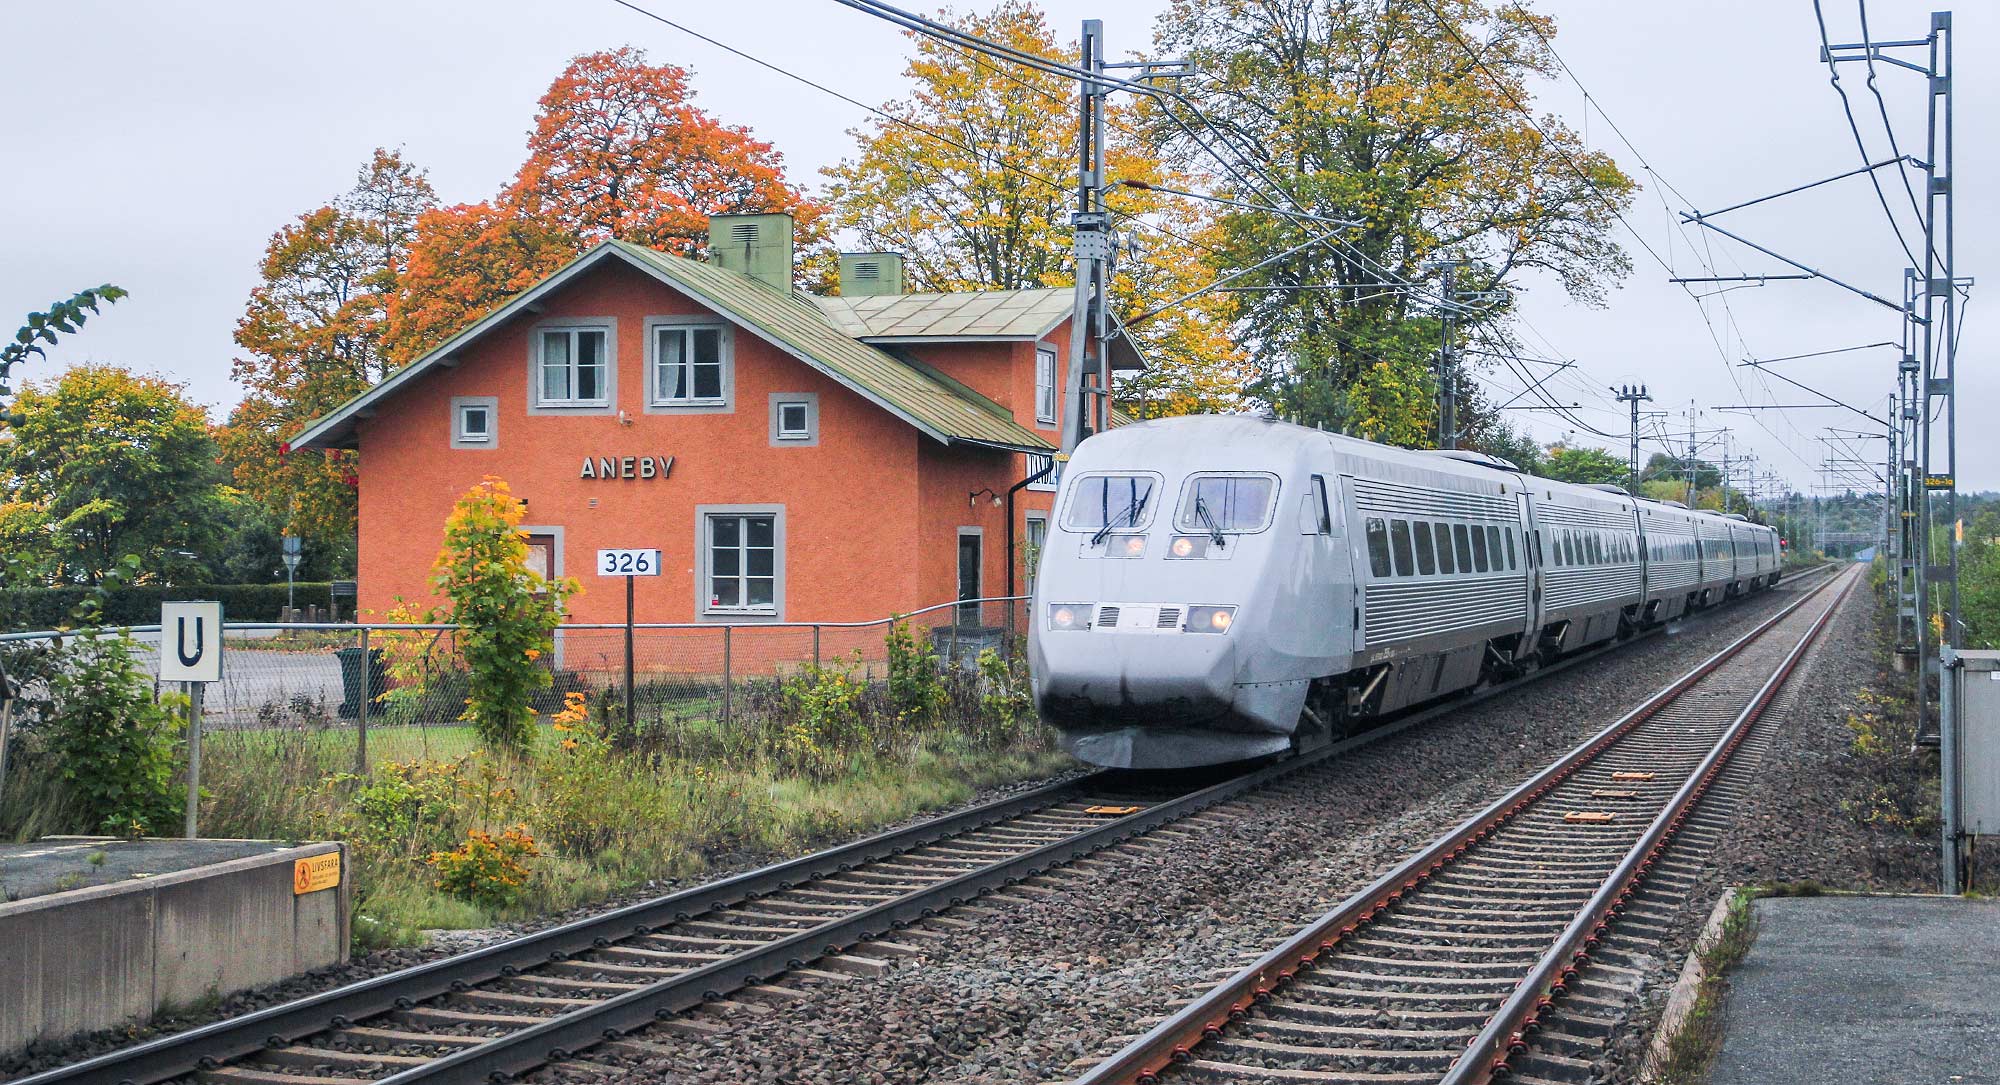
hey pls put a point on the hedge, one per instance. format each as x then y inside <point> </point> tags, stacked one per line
<point>49,608</point>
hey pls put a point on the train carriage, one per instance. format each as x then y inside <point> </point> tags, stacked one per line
<point>1216,588</point>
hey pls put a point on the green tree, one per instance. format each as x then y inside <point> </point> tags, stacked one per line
<point>106,463</point>
<point>1585,465</point>
<point>61,318</point>
<point>506,613</point>
<point>1402,117</point>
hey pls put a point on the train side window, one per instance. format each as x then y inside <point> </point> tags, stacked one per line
<point>1511,562</point>
<point>1597,548</point>
<point>1479,550</point>
<point>1378,546</point>
<point>1464,540</point>
<point>1493,548</point>
<point>1399,544</point>
<point>1445,562</point>
<point>1426,549</point>
<point>1569,547</point>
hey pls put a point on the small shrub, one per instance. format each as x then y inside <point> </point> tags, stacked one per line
<point>486,870</point>
<point>917,693</point>
<point>114,745</point>
<point>1005,708</point>
<point>403,807</point>
<point>824,725</point>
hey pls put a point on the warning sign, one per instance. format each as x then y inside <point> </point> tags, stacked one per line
<point>316,873</point>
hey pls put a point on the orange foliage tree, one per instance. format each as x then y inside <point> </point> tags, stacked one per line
<point>618,150</point>
<point>314,330</point>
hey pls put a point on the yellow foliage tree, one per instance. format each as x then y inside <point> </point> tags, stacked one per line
<point>974,181</point>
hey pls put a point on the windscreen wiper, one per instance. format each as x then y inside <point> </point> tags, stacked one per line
<point>1130,514</point>
<point>1201,513</point>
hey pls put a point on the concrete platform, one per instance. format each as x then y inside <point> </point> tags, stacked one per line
<point>1884,990</point>
<point>97,932</point>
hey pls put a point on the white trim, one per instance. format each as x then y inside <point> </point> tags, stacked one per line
<point>1048,350</point>
<point>702,611</point>
<point>810,401</point>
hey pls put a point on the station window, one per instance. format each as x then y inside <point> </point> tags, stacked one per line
<point>741,559</point>
<point>794,419</point>
<point>571,368</point>
<point>473,421</point>
<point>690,365</point>
<point>1045,384</point>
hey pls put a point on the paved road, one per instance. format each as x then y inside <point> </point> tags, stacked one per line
<point>1876,990</point>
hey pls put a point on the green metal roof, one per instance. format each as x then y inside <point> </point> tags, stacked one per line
<point>937,406</point>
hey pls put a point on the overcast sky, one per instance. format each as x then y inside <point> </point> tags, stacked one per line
<point>158,146</point>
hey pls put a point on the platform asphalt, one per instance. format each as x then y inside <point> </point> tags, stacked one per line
<point>1878,989</point>
<point>59,863</point>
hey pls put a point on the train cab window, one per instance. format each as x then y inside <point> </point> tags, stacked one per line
<point>1426,549</point>
<point>1464,541</point>
<point>1228,503</point>
<point>1493,548</point>
<point>1116,501</point>
<point>1399,544</point>
<point>1313,518</point>
<point>1479,550</point>
<point>1377,531</point>
<point>1512,564</point>
<point>1444,551</point>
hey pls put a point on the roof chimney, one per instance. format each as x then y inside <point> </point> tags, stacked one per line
<point>870,274</point>
<point>759,246</point>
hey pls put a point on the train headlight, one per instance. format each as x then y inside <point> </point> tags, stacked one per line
<point>1188,546</point>
<point>1124,546</point>
<point>1069,615</point>
<point>1210,619</point>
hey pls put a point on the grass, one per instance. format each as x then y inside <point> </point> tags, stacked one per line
<point>1691,1049</point>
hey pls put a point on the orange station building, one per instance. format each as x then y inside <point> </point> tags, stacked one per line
<point>793,458</point>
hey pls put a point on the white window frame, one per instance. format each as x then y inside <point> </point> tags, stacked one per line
<point>1048,397</point>
<point>705,516</point>
<point>602,404</point>
<point>657,401</point>
<point>461,437</point>
<point>805,438</point>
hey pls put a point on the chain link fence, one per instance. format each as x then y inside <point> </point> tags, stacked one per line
<point>395,692</point>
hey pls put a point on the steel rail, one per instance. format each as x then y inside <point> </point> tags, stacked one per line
<point>1490,1054</point>
<point>1172,1040</point>
<point>276,1026</point>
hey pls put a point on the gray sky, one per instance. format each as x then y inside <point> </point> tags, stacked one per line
<point>158,146</point>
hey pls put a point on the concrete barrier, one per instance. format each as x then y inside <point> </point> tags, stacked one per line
<point>93,958</point>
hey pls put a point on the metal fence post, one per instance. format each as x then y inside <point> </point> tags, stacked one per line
<point>194,752</point>
<point>361,708</point>
<point>725,675</point>
<point>815,647</point>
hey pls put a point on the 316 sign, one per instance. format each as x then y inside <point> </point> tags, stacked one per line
<point>628,563</point>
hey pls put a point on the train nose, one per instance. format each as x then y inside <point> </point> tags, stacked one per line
<point>1105,675</point>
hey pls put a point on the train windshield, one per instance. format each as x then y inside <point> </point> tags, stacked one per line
<point>1113,501</point>
<point>1226,503</point>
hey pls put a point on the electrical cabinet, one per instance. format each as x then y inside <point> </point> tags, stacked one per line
<point>1975,678</point>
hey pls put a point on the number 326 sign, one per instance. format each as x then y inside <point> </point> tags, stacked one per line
<point>628,563</point>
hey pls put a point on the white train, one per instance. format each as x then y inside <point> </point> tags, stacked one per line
<point>1222,587</point>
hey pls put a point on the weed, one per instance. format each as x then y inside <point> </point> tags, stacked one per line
<point>485,869</point>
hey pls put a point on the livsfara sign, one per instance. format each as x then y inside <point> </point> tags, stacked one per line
<point>642,467</point>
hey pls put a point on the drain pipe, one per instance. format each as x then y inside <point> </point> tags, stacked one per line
<point>1011,491</point>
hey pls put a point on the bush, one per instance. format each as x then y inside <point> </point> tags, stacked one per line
<point>139,604</point>
<point>113,745</point>
<point>917,692</point>
<point>822,724</point>
<point>486,870</point>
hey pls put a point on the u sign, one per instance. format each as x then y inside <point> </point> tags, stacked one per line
<point>191,642</point>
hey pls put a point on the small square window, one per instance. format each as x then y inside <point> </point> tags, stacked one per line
<point>474,424</point>
<point>473,419</point>
<point>794,421</point>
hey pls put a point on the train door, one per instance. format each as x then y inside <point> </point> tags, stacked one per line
<point>1348,515</point>
<point>1324,560</point>
<point>1645,564</point>
<point>1531,555</point>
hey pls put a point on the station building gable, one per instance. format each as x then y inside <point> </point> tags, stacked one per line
<point>794,459</point>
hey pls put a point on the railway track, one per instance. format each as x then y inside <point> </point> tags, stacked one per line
<point>1510,946</point>
<point>511,1007</point>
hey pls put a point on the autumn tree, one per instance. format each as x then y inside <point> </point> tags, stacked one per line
<point>1402,118</point>
<point>618,150</point>
<point>103,464</point>
<point>974,181</point>
<point>1584,465</point>
<point>314,332</point>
